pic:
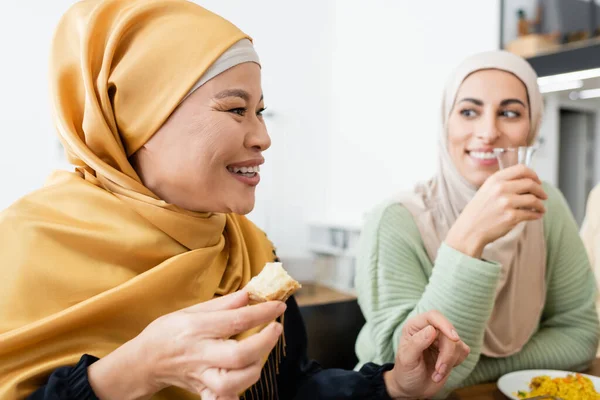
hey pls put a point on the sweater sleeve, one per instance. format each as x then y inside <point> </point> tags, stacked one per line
<point>395,281</point>
<point>567,338</point>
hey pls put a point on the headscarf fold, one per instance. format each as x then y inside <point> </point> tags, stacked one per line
<point>92,258</point>
<point>436,204</point>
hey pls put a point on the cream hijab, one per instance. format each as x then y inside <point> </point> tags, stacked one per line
<point>436,204</point>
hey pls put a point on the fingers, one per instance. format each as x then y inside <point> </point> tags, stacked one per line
<point>224,324</point>
<point>228,384</point>
<point>518,171</point>
<point>228,302</point>
<point>421,332</point>
<point>233,354</point>
<point>433,318</point>
<point>449,354</point>
<point>464,353</point>
<point>528,202</point>
<point>446,358</point>
<point>526,186</point>
<point>516,216</point>
<point>207,394</point>
<point>414,346</point>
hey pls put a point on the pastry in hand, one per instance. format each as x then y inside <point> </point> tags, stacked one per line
<point>273,283</point>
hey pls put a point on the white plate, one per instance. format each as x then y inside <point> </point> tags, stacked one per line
<point>510,384</point>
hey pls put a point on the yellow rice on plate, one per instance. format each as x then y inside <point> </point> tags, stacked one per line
<point>572,387</point>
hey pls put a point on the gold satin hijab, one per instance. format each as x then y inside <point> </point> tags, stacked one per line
<point>92,258</point>
<point>436,204</point>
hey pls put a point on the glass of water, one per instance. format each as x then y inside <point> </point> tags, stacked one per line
<point>509,156</point>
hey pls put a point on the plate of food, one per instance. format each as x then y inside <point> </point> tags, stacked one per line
<point>542,382</point>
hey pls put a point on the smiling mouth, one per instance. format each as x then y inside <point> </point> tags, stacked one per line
<point>482,155</point>
<point>248,172</point>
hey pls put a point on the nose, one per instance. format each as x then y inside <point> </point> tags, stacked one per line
<point>487,131</point>
<point>258,138</point>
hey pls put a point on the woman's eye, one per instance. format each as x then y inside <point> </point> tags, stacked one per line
<point>261,111</point>
<point>510,114</point>
<point>239,111</point>
<point>468,113</point>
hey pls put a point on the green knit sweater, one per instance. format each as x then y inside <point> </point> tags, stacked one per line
<point>396,280</point>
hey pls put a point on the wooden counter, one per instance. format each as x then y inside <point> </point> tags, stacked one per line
<point>313,294</point>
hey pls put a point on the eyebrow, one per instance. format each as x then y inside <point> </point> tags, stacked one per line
<point>511,101</point>
<point>471,100</point>
<point>236,93</point>
<point>502,103</point>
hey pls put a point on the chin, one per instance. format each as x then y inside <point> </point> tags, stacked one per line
<point>242,209</point>
<point>478,179</point>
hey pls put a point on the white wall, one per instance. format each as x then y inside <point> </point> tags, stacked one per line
<point>29,149</point>
<point>391,61</point>
<point>354,89</point>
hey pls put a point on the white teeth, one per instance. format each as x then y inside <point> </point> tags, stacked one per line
<point>483,155</point>
<point>244,170</point>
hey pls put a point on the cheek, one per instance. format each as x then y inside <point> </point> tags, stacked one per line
<point>223,142</point>
<point>205,156</point>
<point>214,147</point>
<point>517,133</point>
<point>458,136</point>
<point>187,159</point>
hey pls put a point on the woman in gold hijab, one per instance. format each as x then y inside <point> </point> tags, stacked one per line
<point>124,279</point>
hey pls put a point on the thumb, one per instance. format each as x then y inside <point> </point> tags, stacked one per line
<point>414,346</point>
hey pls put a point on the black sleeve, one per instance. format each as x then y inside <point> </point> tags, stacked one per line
<point>68,383</point>
<point>301,378</point>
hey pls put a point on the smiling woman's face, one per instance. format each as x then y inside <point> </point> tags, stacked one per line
<point>206,156</point>
<point>491,110</point>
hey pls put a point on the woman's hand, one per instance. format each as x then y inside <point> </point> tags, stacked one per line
<point>508,197</point>
<point>429,349</point>
<point>191,349</point>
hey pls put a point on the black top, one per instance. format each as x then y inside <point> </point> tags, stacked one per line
<point>298,377</point>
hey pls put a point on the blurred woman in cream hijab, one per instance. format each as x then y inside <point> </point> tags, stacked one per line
<point>496,251</point>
